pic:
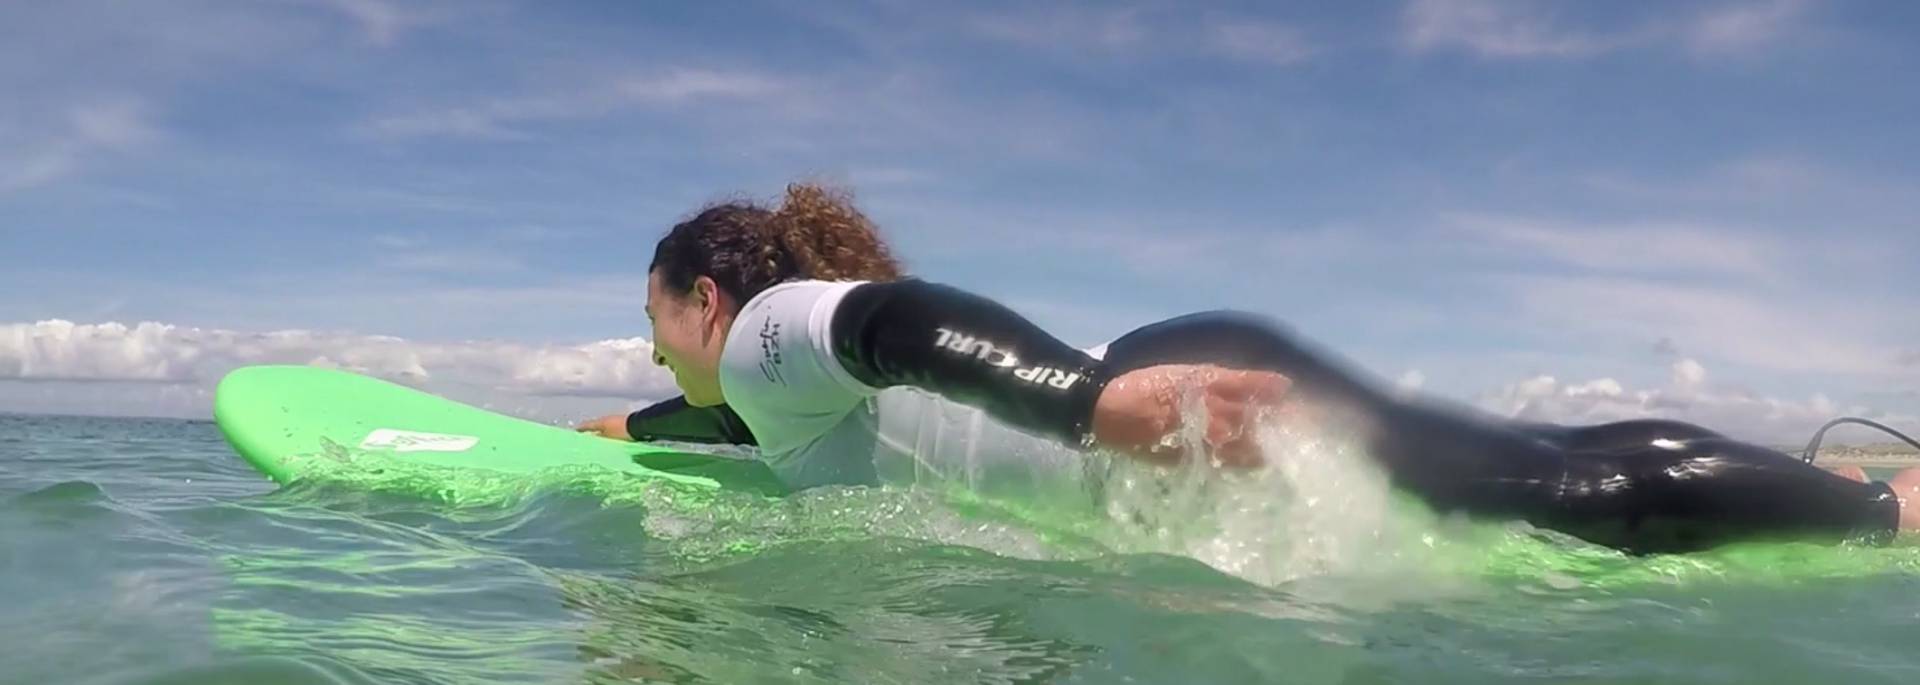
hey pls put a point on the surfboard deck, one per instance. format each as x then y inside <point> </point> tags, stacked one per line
<point>286,420</point>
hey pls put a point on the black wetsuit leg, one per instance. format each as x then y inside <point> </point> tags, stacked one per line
<point>1681,495</point>
<point>1644,486</point>
<point>1618,434</point>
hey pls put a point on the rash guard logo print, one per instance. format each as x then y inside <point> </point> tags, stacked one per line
<point>770,352</point>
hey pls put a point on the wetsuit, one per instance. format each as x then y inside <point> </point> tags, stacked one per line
<point>823,376</point>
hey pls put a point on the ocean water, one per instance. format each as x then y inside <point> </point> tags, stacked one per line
<point>143,551</point>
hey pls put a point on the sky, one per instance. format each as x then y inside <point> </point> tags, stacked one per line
<point>1569,211</point>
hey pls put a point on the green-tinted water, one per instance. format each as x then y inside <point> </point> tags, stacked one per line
<point>143,552</point>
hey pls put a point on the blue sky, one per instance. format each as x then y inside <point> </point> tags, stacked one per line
<point>1570,210</point>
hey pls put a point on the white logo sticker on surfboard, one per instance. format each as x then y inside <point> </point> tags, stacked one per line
<point>417,441</point>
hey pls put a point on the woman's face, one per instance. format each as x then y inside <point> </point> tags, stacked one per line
<point>689,333</point>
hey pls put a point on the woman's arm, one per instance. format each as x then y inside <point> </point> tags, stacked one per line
<point>973,350</point>
<point>674,420</point>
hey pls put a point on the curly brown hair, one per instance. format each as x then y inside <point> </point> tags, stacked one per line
<point>816,233</point>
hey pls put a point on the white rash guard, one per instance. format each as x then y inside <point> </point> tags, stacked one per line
<point>816,424</point>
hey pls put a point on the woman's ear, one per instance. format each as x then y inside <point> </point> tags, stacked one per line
<point>702,294</point>
<point>715,306</point>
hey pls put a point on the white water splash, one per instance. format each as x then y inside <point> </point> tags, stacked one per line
<point>1320,507</point>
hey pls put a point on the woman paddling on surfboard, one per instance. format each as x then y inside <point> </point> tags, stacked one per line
<point>792,329</point>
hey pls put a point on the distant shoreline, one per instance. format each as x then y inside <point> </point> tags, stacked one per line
<point>1868,463</point>
<point>1884,455</point>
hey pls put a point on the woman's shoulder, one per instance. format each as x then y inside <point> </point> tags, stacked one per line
<point>796,298</point>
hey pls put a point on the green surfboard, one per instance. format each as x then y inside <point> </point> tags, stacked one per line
<point>295,422</point>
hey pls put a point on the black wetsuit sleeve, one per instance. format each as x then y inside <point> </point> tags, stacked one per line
<point>968,349</point>
<point>675,420</point>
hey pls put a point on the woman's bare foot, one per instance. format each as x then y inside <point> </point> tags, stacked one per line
<point>1906,486</point>
<point>1849,472</point>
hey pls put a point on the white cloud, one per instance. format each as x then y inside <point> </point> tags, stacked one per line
<point>1088,32</point>
<point>476,261</point>
<point>1755,327</point>
<point>1492,29</point>
<point>1056,26</point>
<point>1771,174</point>
<point>1743,26</point>
<point>382,21</point>
<point>1766,299</point>
<point>617,368</point>
<point>51,352</point>
<point>1688,375</point>
<point>879,176</point>
<point>902,105</point>
<point>85,132</point>
<point>1687,397</point>
<point>498,118</point>
<point>1149,244</point>
<point>1771,183</point>
<point>532,233</point>
<point>1635,247</point>
<point>398,241</point>
<point>1258,41</point>
<point>61,350</point>
<point>1510,30</point>
<point>682,85</point>
<point>89,80</point>
<point>155,368</point>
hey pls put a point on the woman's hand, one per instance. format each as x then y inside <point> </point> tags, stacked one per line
<point>610,426</point>
<point>1849,472</point>
<point>1140,410</point>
